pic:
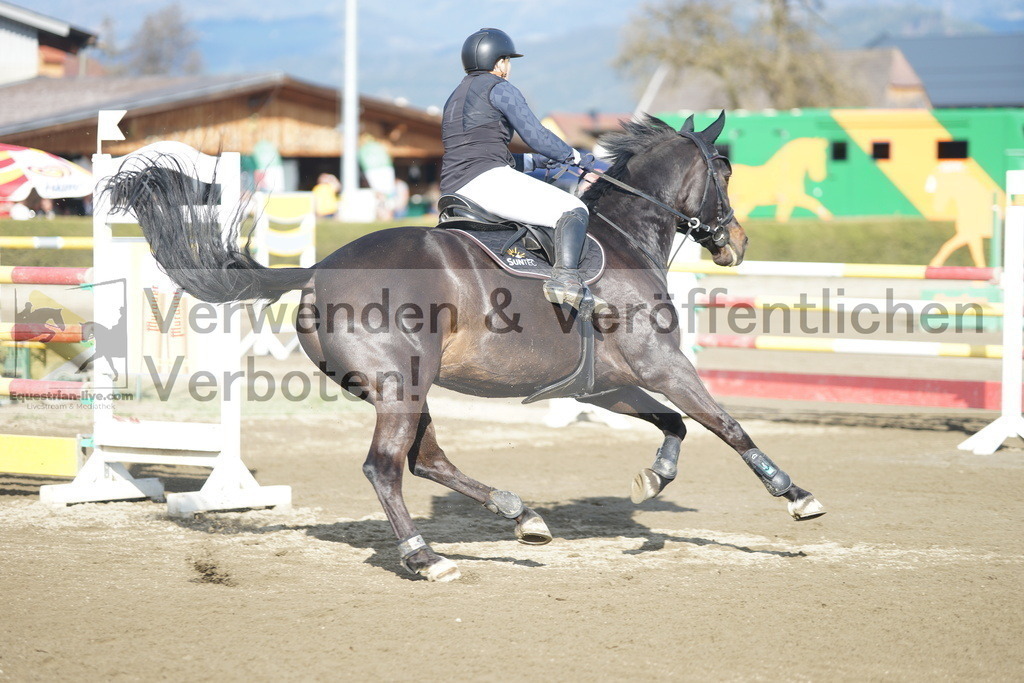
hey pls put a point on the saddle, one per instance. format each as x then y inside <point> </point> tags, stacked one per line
<point>528,251</point>
<point>520,248</point>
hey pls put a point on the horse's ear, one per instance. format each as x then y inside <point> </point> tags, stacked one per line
<point>687,125</point>
<point>711,133</point>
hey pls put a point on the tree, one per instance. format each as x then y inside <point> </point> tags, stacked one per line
<point>773,58</point>
<point>164,45</point>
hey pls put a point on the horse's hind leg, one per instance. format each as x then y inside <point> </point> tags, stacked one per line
<point>427,460</point>
<point>635,402</point>
<point>686,390</point>
<point>393,437</point>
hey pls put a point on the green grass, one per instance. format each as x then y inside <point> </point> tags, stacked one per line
<point>875,240</point>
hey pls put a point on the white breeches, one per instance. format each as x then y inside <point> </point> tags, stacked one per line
<point>518,197</point>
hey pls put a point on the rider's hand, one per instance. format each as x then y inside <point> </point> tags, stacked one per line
<point>584,160</point>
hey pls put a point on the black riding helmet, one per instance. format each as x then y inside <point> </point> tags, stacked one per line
<point>483,49</point>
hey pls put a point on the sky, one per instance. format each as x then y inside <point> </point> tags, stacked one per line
<point>423,20</point>
<point>441,17</point>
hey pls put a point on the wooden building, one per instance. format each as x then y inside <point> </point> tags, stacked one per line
<point>218,113</point>
<point>33,44</point>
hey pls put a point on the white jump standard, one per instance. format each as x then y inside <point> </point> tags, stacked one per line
<point>118,442</point>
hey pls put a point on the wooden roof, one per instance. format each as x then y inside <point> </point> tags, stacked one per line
<point>583,130</point>
<point>211,113</point>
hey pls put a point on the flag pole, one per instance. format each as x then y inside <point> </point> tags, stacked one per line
<point>350,113</point>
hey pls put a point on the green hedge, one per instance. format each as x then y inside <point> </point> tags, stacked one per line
<point>879,240</point>
<point>883,240</point>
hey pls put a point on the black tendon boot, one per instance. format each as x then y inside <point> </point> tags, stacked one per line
<point>566,286</point>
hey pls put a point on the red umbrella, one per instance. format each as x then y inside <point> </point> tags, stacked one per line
<point>23,169</point>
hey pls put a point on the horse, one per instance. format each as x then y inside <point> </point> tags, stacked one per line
<point>465,324</point>
<point>961,195</point>
<point>111,343</point>
<point>51,317</point>
<point>780,180</point>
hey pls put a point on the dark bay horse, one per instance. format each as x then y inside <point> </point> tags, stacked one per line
<point>400,310</point>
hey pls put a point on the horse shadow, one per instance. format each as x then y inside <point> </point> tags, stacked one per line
<point>455,519</point>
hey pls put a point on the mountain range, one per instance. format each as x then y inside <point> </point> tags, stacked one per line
<point>409,49</point>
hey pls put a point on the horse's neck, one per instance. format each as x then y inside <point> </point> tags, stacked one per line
<point>628,213</point>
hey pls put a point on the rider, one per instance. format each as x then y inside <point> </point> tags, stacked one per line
<point>479,118</point>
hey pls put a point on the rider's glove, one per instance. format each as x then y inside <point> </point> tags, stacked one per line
<point>584,160</point>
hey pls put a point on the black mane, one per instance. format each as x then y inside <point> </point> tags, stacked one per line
<point>636,137</point>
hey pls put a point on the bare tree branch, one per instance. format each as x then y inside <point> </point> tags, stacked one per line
<point>775,56</point>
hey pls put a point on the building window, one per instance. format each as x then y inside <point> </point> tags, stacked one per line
<point>880,150</point>
<point>838,151</point>
<point>952,149</point>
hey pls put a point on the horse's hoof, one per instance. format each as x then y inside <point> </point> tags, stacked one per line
<point>646,485</point>
<point>442,571</point>
<point>805,508</point>
<point>532,530</point>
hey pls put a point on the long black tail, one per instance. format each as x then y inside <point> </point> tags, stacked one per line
<point>179,218</point>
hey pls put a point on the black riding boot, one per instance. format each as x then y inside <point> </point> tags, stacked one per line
<point>566,286</point>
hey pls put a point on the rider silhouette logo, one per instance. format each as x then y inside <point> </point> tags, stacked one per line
<point>109,344</point>
<point>51,314</point>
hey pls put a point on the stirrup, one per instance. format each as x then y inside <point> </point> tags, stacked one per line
<point>558,292</point>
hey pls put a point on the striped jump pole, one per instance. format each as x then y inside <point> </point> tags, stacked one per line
<point>41,388</point>
<point>44,275</point>
<point>767,342</point>
<point>848,304</point>
<point>861,270</point>
<point>48,242</point>
<point>788,386</point>
<point>23,332</point>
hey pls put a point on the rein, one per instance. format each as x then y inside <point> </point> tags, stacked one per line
<point>661,268</point>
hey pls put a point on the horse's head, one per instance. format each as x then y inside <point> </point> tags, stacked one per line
<point>703,193</point>
<point>686,180</point>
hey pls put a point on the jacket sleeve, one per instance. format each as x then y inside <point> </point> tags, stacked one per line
<point>507,99</point>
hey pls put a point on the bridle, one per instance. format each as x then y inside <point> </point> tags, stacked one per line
<point>693,226</point>
<point>717,235</point>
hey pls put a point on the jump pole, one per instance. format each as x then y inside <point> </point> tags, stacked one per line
<point>45,242</point>
<point>768,342</point>
<point>1010,423</point>
<point>865,270</point>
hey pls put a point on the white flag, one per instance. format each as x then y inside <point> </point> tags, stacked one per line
<point>106,128</point>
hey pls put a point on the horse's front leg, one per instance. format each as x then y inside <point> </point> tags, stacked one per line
<point>635,402</point>
<point>677,379</point>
